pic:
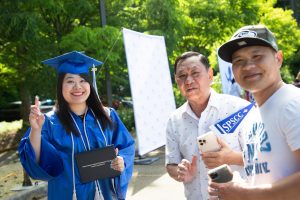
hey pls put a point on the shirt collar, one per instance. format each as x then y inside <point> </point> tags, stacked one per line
<point>190,112</point>
<point>214,101</point>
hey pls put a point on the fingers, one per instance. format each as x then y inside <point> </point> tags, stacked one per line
<point>34,112</point>
<point>37,101</point>
<point>35,109</point>
<point>211,163</point>
<point>182,169</point>
<point>118,164</point>
<point>186,170</point>
<point>194,160</point>
<point>193,168</point>
<point>213,189</point>
<point>211,159</point>
<point>222,143</point>
<point>212,192</point>
<point>212,155</point>
<point>35,115</point>
<point>184,165</point>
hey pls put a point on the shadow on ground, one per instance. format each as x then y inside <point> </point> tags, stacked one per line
<point>11,173</point>
<point>144,175</point>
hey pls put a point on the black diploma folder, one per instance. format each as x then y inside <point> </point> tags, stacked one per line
<point>95,164</point>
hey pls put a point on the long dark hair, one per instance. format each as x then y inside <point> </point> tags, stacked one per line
<point>93,102</point>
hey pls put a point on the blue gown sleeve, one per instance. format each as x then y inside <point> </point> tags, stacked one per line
<point>123,140</point>
<point>50,164</point>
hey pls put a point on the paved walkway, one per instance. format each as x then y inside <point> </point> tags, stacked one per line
<point>152,182</point>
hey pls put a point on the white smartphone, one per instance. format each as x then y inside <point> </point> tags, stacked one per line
<point>221,174</point>
<point>208,142</point>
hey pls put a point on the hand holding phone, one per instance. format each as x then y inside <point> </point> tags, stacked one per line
<point>221,174</point>
<point>208,142</point>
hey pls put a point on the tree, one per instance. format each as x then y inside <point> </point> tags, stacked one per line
<point>25,25</point>
<point>212,22</point>
<point>106,45</point>
<point>30,32</point>
<point>34,30</point>
<point>287,33</point>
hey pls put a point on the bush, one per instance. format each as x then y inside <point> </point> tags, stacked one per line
<point>127,117</point>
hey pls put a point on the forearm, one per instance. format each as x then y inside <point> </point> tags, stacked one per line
<point>287,189</point>
<point>35,140</point>
<point>235,158</point>
<point>172,171</point>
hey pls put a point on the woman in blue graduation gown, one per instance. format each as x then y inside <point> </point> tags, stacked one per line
<point>79,123</point>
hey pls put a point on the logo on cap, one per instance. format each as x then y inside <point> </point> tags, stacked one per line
<point>246,33</point>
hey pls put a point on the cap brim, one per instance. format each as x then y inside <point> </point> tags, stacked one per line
<point>226,50</point>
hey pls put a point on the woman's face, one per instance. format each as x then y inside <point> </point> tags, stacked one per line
<point>75,89</point>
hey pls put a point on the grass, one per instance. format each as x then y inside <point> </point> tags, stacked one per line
<point>10,127</point>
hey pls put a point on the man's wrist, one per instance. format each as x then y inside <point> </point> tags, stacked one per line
<point>236,158</point>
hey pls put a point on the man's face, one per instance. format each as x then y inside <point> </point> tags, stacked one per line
<point>193,79</point>
<point>256,68</point>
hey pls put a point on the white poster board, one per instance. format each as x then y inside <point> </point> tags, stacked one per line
<point>228,85</point>
<point>151,88</point>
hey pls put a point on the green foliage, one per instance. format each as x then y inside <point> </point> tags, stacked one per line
<point>33,30</point>
<point>104,44</point>
<point>126,13</point>
<point>287,33</point>
<point>165,18</point>
<point>295,63</point>
<point>179,99</point>
<point>285,29</point>
<point>21,33</point>
<point>217,85</point>
<point>211,22</point>
<point>127,117</point>
<point>286,75</point>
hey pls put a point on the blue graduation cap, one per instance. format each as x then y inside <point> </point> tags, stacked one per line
<point>73,62</point>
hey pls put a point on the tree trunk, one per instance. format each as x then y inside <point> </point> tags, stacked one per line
<point>26,102</point>
<point>25,109</point>
<point>26,179</point>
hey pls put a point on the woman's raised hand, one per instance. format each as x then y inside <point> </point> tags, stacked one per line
<point>36,118</point>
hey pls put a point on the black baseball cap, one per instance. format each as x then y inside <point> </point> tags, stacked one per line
<point>253,35</point>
